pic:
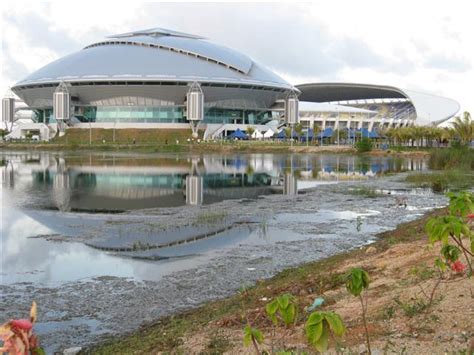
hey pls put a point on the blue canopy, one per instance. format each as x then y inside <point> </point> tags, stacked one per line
<point>365,133</point>
<point>281,134</point>
<point>327,133</point>
<point>307,135</point>
<point>238,134</point>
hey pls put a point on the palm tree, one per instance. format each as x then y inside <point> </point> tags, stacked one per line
<point>464,128</point>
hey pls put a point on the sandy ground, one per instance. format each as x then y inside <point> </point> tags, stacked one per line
<point>400,273</point>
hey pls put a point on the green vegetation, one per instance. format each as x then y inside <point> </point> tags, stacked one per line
<point>358,280</point>
<point>443,180</point>
<point>80,136</point>
<point>453,158</point>
<point>454,170</point>
<point>365,191</point>
<point>282,308</point>
<point>364,145</point>
<point>210,218</point>
<point>253,336</point>
<point>320,325</point>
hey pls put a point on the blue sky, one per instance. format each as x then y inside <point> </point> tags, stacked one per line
<point>424,46</point>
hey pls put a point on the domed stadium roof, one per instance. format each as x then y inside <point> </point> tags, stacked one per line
<point>156,55</point>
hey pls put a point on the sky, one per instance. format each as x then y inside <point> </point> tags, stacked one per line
<point>419,45</point>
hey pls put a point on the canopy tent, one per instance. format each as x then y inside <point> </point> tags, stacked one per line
<point>238,134</point>
<point>269,133</point>
<point>327,133</point>
<point>257,134</point>
<point>308,135</point>
<point>365,133</point>
<point>281,134</point>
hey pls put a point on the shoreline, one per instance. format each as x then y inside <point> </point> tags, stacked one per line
<point>240,147</point>
<point>223,320</point>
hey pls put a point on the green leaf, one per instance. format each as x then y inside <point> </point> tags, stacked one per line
<point>322,344</point>
<point>247,335</point>
<point>252,334</point>
<point>313,332</point>
<point>314,318</point>
<point>440,264</point>
<point>335,322</point>
<point>450,252</point>
<point>356,280</point>
<point>283,301</point>
<point>271,307</point>
<point>289,314</point>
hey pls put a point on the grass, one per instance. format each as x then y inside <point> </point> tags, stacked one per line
<point>461,158</point>
<point>218,344</point>
<point>210,218</point>
<point>101,136</point>
<point>167,334</point>
<point>441,181</point>
<point>411,309</point>
<point>365,191</point>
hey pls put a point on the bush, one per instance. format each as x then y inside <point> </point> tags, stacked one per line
<point>364,145</point>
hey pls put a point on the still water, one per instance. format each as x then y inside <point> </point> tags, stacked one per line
<point>51,203</point>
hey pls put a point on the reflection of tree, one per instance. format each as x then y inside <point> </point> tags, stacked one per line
<point>363,164</point>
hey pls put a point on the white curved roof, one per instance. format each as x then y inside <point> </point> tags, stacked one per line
<point>429,108</point>
<point>432,108</point>
<point>157,55</point>
<point>305,106</point>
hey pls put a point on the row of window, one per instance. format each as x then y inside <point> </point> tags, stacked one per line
<point>171,114</point>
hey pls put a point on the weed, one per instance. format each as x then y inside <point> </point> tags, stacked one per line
<point>388,312</point>
<point>422,272</point>
<point>217,344</point>
<point>365,191</point>
<point>413,308</point>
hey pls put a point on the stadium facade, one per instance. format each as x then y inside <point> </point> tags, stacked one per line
<point>158,78</point>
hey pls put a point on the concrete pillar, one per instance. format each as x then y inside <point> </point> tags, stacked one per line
<point>195,107</point>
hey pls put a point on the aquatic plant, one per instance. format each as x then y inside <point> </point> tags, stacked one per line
<point>319,326</point>
<point>358,280</point>
<point>18,337</point>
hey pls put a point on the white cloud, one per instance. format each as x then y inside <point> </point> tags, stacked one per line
<point>414,45</point>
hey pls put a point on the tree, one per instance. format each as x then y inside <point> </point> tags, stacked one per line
<point>464,128</point>
<point>250,130</point>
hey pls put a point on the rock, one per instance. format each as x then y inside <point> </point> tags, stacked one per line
<point>370,250</point>
<point>72,351</point>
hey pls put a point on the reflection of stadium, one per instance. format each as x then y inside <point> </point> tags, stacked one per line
<point>91,185</point>
<point>163,79</point>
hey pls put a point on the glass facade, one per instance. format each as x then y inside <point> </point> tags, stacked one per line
<point>44,116</point>
<point>168,114</point>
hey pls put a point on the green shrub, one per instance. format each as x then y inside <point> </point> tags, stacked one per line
<point>364,145</point>
<point>461,158</point>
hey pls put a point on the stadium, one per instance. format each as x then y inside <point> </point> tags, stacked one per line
<point>163,79</point>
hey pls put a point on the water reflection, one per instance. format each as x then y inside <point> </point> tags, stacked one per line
<point>114,182</point>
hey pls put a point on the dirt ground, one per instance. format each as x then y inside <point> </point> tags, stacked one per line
<point>402,278</point>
